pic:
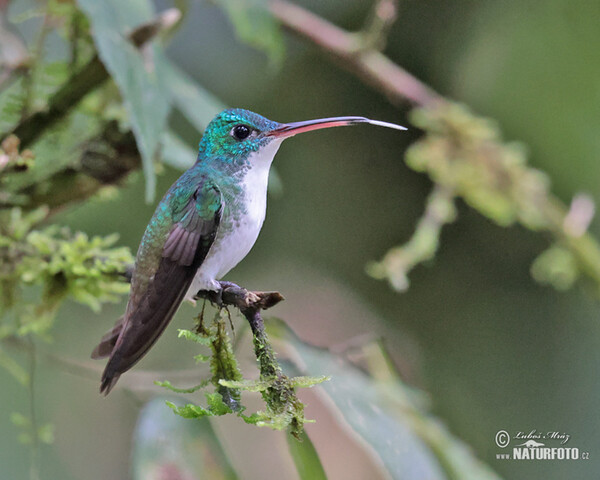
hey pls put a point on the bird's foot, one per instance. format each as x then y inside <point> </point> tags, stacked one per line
<point>229,293</point>
<point>245,297</point>
<point>216,297</point>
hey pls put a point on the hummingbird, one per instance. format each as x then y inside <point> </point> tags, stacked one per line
<point>206,223</point>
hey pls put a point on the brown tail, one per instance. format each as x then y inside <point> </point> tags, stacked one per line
<point>109,379</point>
<point>103,350</point>
<point>108,341</point>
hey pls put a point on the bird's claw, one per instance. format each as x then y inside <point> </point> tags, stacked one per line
<point>216,296</point>
<point>229,293</point>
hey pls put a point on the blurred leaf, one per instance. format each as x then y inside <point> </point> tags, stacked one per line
<point>13,51</point>
<point>198,105</point>
<point>306,458</point>
<point>30,432</point>
<point>388,416</point>
<point>59,148</point>
<point>12,367</point>
<point>176,152</point>
<point>168,446</point>
<point>255,26</point>
<point>556,266</point>
<point>46,433</point>
<point>11,103</point>
<point>140,75</point>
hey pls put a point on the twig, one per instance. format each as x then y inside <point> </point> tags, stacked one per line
<point>424,243</point>
<point>369,64</point>
<point>377,28</point>
<point>250,304</point>
<point>34,473</point>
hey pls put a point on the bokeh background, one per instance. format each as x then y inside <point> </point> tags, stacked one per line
<point>491,348</point>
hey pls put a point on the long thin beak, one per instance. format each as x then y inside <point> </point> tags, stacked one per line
<point>291,129</point>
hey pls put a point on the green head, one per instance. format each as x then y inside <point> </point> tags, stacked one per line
<point>236,133</point>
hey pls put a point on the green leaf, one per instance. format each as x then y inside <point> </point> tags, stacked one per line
<point>247,385</point>
<point>140,77</point>
<point>197,105</point>
<point>216,404</point>
<point>189,410</point>
<point>46,433</point>
<point>307,382</point>
<point>165,442</point>
<point>200,358</point>
<point>556,266</point>
<point>216,407</point>
<point>255,26</point>
<point>13,368</point>
<point>20,420</point>
<point>177,153</point>
<point>389,417</point>
<point>194,337</point>
<point>11,104</point>
<point>306,458</point>
<point>166,384</point>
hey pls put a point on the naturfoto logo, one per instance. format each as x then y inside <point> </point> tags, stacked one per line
<point>531,448</point>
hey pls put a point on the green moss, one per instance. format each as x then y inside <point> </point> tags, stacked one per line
<point>42,266</point>
<point>283,410</point>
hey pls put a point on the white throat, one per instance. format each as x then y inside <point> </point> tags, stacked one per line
<point>257,177</point>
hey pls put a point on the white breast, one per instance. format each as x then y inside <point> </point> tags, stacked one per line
<point>230,247</point>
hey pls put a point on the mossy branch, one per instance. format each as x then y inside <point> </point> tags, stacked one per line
<point>105,160</point>
<point>356,53</point>
<point>283,408</point>
<point>107,155</point>
<point>83,82</point>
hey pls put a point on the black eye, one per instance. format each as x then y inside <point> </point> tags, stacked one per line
<point>240,132</point>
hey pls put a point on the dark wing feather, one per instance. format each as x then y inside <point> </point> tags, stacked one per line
<point>108,341</point>
<point>183,252</point>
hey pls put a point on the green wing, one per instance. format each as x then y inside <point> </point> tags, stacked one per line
<point>155,298</point>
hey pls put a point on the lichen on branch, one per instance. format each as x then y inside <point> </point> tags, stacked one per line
<point>466,157</point>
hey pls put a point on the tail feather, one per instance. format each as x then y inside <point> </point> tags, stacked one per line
<point>109,379</point>
<point>105,349</point>
<point>108,341</point>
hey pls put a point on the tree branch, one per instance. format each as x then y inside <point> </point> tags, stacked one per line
<point>369,64</point>
<point>94,170</point>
